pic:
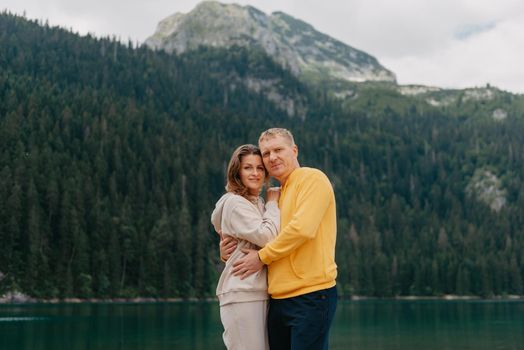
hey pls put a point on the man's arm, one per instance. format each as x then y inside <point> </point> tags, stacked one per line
<point>314,196</point>
<point>247,265</point>
<point>227,246</point>
<point>313,199</point>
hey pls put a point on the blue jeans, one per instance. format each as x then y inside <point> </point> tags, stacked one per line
<point>302,322</point>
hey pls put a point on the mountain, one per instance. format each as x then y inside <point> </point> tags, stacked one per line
<point>292,43</point>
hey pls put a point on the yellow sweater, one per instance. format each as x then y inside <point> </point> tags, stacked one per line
<point>302,257</point>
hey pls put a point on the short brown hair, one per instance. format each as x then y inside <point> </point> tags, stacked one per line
<point>234,184</point>
<point>274,132</point>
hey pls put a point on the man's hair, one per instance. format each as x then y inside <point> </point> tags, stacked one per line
<point>234,183</point>
<point>274,132</point>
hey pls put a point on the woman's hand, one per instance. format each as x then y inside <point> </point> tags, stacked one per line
<point>273,194</point>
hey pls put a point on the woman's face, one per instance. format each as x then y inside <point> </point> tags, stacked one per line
<point>252,173</point>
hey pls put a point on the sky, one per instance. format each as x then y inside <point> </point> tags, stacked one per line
<point>442,43</point>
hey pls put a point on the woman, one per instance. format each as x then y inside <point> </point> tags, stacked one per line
<point>241,213</point>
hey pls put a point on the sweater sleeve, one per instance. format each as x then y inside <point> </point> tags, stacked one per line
<point>247,223</point>
<point>313,197</point>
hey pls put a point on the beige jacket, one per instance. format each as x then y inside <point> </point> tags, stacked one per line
<point>254,224</point>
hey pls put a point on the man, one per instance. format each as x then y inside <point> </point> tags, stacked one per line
<point>301,259</point>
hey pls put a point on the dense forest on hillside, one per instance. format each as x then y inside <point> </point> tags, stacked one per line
<point>112,157</point>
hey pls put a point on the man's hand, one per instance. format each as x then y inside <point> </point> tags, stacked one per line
<point>228,245</point>
<point>247,265</point>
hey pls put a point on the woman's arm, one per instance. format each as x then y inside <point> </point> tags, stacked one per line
<point>247,223</point>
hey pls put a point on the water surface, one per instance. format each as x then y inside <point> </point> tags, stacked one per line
<point>362,325</point>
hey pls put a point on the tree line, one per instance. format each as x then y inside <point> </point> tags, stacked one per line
<point>112,157</point>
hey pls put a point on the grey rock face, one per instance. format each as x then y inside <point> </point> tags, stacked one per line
<point>499,114</point>
<point>292,43</point>
<point>487,188</point>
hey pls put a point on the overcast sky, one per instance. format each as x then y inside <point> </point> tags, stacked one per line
<point>444,43</point>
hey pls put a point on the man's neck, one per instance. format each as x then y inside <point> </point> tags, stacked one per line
<point>283,181</point>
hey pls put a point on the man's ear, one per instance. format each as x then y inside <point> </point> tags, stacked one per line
<point>295,150</point>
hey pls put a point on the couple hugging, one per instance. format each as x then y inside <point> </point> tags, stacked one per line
<point>278,287</point>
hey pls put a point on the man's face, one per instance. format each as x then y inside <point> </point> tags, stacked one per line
<point>279,156</point>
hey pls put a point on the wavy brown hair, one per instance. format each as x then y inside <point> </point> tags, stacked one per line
<point>234,184</point>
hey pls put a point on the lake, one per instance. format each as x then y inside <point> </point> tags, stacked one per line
<point>362,325</point>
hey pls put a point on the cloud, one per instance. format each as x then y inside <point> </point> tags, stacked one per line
<point>491,55</point>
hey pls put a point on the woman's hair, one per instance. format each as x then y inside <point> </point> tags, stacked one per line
<point>234,184</point>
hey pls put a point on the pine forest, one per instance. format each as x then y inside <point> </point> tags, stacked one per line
<point>112,157</point>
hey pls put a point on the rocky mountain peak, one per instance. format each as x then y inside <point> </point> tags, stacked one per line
<point>294,44</point>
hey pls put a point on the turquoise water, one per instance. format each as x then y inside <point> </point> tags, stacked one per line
<point>371,324</point>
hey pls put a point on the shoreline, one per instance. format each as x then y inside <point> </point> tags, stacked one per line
<point>450,297</point>
<point>20,298</point>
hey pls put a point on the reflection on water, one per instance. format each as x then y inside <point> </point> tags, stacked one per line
<point>429,325</point>
<point>371,324</point>
<point>112,326</point>
<point>21,319</point>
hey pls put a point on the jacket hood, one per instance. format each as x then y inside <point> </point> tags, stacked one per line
<point>216,216</point>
